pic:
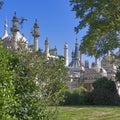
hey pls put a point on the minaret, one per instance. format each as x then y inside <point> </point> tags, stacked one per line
<point>14,30</point>
<point>5,35</point>
<point>66,54</point>
<point>47,48</point>
<point>35,34</point>
<point>80,55</point>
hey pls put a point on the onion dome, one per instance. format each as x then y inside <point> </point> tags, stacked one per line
<point>99,69</point>
<point>19,37</point>
<point>103,72</point>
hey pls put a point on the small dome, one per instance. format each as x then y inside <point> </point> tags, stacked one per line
<point>46,41</point>
<point>66,45</point>
<point>15,17</point>
<point>107,58</point>
<point>103,72</point>
<point>36,24</point>
<point>99,69</point>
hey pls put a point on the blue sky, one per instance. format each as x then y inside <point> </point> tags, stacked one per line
<point>55,18</point>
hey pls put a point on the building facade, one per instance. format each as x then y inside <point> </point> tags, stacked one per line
<point>81,74</point>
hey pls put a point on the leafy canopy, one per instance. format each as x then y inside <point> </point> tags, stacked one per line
<point>103,20</point>
<point>8,99</point>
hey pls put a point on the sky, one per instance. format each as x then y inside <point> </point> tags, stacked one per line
<point>55,18</point>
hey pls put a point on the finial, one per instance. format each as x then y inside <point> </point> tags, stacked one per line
<point>15,13</point>
<point>36,24</point>
<point>6,20</point>
<point>76,40</point>
<point>46,38</point>
<point>66,45</point>
<point>35,20</point>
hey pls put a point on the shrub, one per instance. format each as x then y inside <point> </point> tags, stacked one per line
<point>74,97</point>
<point>104,93</point>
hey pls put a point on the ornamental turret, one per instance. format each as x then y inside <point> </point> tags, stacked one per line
<point>35,34</point>
<point>66,54</point>
<point>14,31</point>
<point>47,48</point>
<point>80,55</point>
<point>14,28</point>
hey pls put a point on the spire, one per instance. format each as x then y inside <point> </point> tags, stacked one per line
<point>5,29</point>
<point>72,55</point>
<point>80,55</point>
<point>76,49</point>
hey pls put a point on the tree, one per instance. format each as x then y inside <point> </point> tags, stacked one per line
<point>39,83</point>
<point>105,83</point>
<point>103,20</point>
<point>104,92</point>
<point>55,77</point>
<point>29,83</point>
<point>8,99</point>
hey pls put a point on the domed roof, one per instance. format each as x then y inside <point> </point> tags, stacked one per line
<point>66,45</point>
<point>99,69</point>
<point>19,37</point>
<point>36,24</point>
<point>75,64</point>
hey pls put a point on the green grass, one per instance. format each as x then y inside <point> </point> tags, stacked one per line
<point>89,113</point>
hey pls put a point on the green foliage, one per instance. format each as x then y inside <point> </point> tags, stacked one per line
<point>103,20</point>
<point>8,99</point>
<point>104,93</point>
<point>38,84</point>
<point>106,84</point>
<point>55,76</point>
<point>29,84</point>
<point>74,97</point>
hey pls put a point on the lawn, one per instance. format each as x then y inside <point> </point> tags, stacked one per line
<point>89,113</point>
